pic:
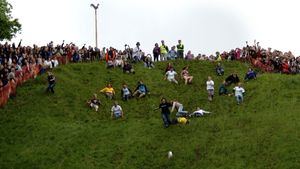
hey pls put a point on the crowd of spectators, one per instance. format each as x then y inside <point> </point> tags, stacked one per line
<point>19,63</point>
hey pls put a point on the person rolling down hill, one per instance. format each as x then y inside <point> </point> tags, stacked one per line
<point>199,112</point>
<point>179,107</point>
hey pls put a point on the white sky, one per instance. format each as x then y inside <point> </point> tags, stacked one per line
<point>205,26</point>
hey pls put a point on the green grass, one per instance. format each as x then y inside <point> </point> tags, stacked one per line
<point>39,130</point>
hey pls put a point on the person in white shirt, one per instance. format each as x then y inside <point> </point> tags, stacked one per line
<point>170,75</point>
<point>137,52</point>
<point>199,112</point>
<point>210,88</point>
<point>116,111</point>
<point>239,93</point>
<point>179,107</point>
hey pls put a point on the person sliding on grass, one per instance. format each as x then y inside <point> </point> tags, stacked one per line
<point>94,102</point>
<point>116,111</point>
<point>125,92</point>
<point>108,91</point>
<point>239,93</point>
<point>223,90</point>
<point>141,90</point>
<point>171,76</point>
<point>250,75</point>
<point>186,75</point>
<point>51,82</point>
<point>179,107</point>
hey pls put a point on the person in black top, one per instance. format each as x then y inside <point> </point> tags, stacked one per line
<point>51,82</point>
<point>233,78</point>
<point>94,102</point>
<point>165,111</point>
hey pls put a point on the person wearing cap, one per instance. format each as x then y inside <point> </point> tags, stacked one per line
<point>137,52</point>
<point>163,51</point>
<point>180,49</point>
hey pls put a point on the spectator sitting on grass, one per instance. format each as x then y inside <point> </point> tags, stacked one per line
<point>239,93</point>
<point>171,76</point>
<point>141,90</point>
<point>116,111</point>
<point>186,75</point>
<point>108,91</point>
<point>219,69</point>
<point>94,102</point>
<point>125,92</point>
<point>250,75</point>
<point>148,62</point>
<point>232,79</point>
<point>127,68</point>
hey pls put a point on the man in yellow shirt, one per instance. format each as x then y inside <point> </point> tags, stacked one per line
<point>163,51</point>
<point>108,91</point>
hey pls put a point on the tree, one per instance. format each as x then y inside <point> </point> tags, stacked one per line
<point>8,25</point>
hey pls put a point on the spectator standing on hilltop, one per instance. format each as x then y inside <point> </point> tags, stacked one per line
<point>210,88</point>
<point>117,111</point>
<point>171,76</point>
<point>163,51</point>
<point>239,93</point>
<point>172,54</point>
<point>156,52</point>
<point>137,52</point>
<point>51,82</point>
<point>180,49</point>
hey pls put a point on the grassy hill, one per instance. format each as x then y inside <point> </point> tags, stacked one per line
<point>39,130</point>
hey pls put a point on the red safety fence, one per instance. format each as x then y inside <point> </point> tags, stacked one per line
<point>21,76</point>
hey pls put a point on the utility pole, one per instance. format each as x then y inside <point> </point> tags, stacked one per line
<point>96,29</point>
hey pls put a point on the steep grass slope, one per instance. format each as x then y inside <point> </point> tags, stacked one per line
<point>39,130</point>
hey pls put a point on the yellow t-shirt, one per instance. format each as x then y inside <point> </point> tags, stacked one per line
<point>182,120</point>
<point>107,90</point>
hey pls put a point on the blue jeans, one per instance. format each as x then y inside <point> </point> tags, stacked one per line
<point>181,112</point>
<point>166,119</point>
<point>239,99</point>
<point>50,88</point>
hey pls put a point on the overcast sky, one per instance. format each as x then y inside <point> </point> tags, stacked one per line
<point>205,26</point>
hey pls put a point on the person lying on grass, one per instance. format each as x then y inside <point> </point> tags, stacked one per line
<point>232,79</point>
<point>108,91</point>
<point>141,90</point>
<point>116,111</point>
<point>94,103</point>
<point>171,76</point>
<point>199,112</point>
